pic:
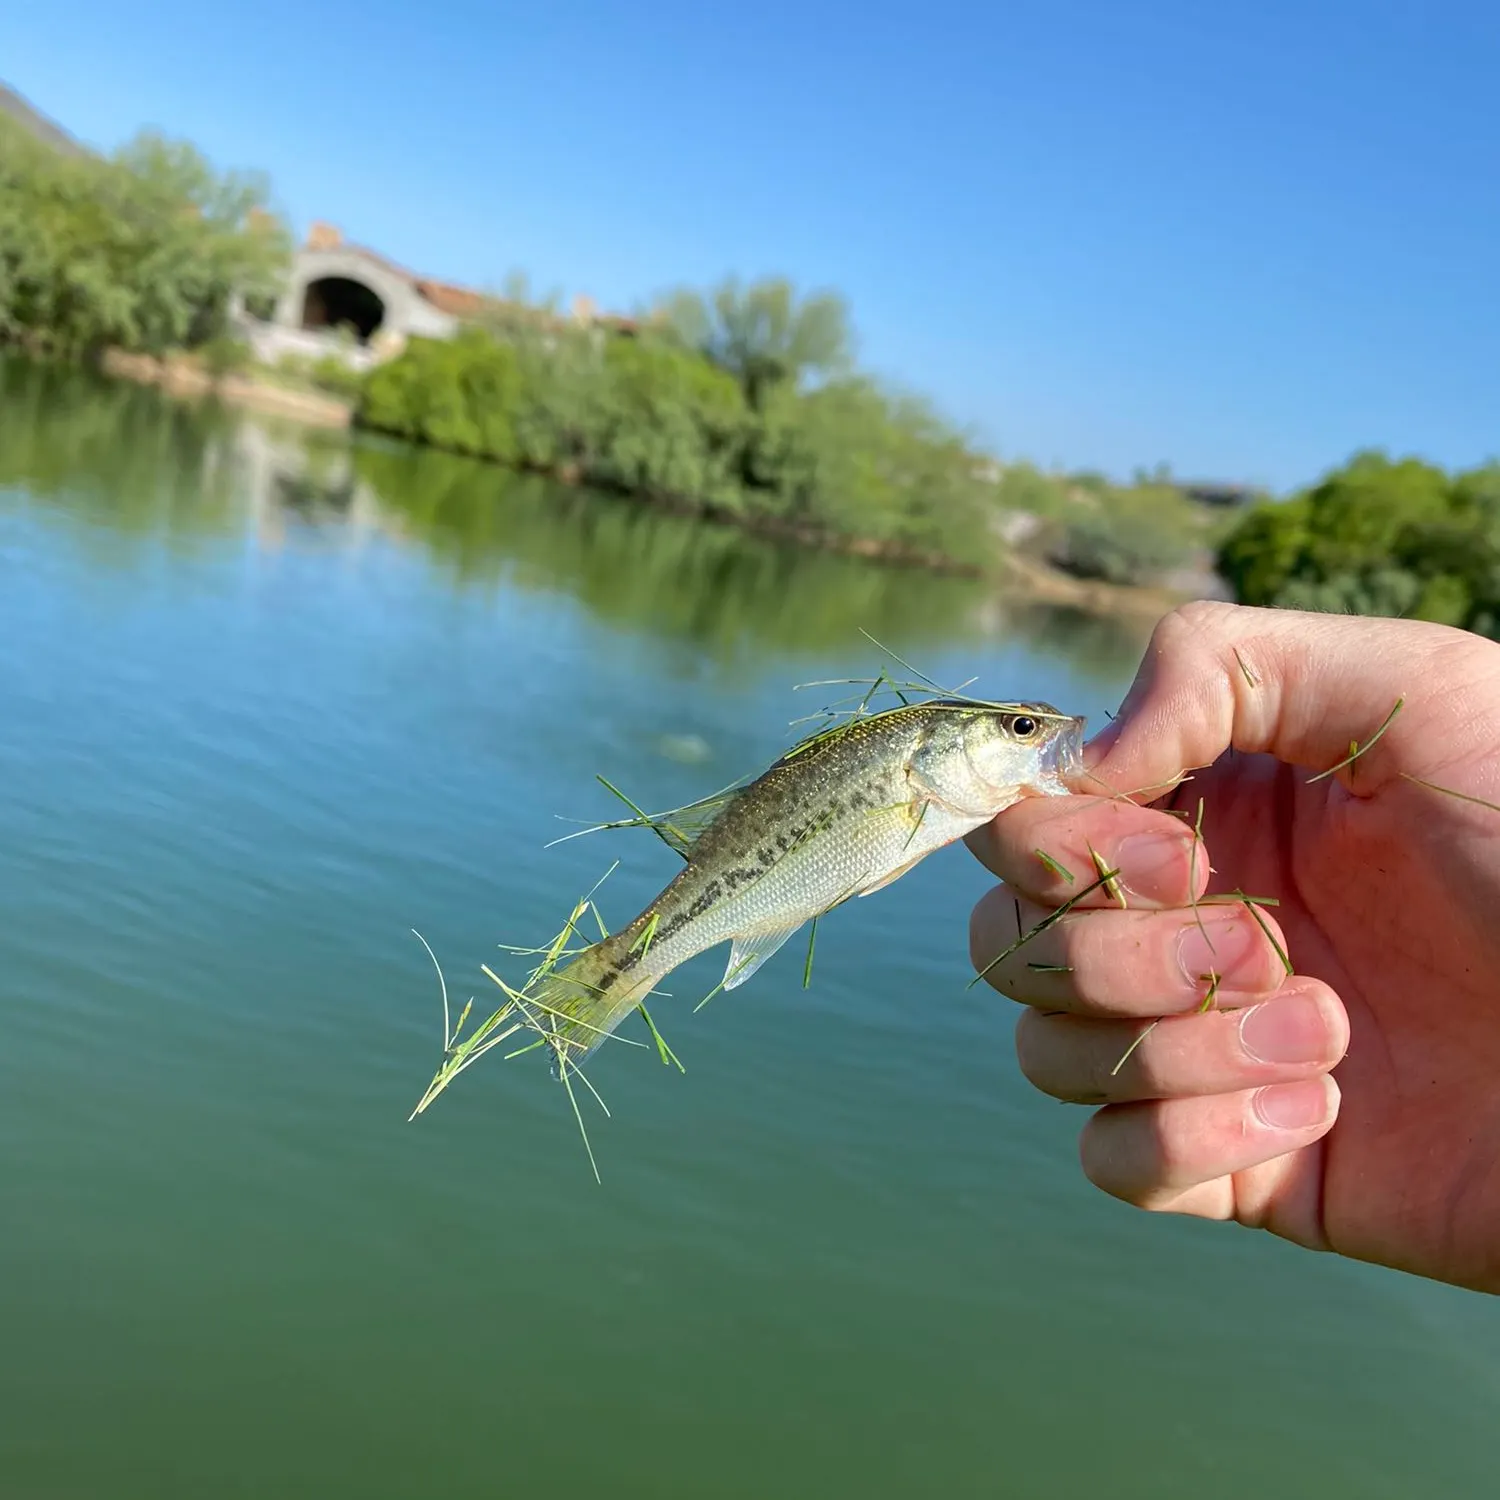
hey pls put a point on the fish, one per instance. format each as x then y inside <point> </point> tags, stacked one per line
<point>843,814</point>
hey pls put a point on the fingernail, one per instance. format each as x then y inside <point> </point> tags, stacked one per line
<point>1229,946</point>
<point>1151,865</point>
<point>1293,1029</point>
<point>1297,1106</point>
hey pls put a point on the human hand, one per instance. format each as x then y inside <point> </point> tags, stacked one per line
<point>1389,912</point>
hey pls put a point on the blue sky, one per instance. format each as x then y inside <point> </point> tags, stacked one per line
<point>1243,239</point>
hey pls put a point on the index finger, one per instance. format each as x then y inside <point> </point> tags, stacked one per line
<point>1052,848</point>
<point>1302,687</point>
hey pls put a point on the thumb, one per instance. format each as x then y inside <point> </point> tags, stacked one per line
<point>1300,687</point>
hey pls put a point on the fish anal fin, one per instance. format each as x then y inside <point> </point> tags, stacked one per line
<point>751,951</point>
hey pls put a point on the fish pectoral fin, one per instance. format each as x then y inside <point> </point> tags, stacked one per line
<point>750,952</point>
<point>895,874</point>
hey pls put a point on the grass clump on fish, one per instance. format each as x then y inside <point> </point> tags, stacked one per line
<point>845,812</point>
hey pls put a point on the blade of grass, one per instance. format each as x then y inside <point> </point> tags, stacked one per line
<point>1358,750</point>
<point>1193,874</point>
<point>598,1097</point>
<point>1448,791</point>
<point>1213,992</point>
<point>916,827</point>
<point>648,935</point>
<point>921,676</point>
<point>1253,907</point>
<point>1129,1051</point>
<point>668,1056</point>
<point>1206,1005</point>
<point>738,968</point>
<point>582,1128</point>
<point>1112,886</point>
<point>443,985</point>
<point>1049,920</point>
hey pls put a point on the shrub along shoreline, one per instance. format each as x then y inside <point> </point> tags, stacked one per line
<point>1378,536</point>
<point>650,417</point>
<point>742,405</point>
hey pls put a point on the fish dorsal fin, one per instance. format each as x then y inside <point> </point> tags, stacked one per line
<point>680,828</point>
<point>751,951</point>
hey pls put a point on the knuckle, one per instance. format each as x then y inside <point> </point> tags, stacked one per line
<point>1052,1060</point>
<point>1029,1053</point>
<point>1192,621</point>
<point>1037,1055</point>
<point>1099,1154</point>
<point>1129,1152</point>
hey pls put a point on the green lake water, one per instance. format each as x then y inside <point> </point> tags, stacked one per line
<point>267,703</point>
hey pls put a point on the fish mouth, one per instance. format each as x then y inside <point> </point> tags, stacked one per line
<point>1064,760</point>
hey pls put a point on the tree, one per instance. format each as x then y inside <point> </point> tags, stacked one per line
<point>763,334</point>
<point>144,250</point>
<point>1377,537</point>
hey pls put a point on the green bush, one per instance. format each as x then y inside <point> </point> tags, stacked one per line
<point>864,462</point>
<point>331,374</point>
<point>654,416</point>
<point>1093,528</point>
<point>1377,537</point>
<point>459,393</point>
<point>142,250</point>
<point>1127,535</point>
<point>1024,487</point>
<point>671,425</point>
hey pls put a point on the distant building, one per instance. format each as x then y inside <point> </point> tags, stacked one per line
<point>1222,496</point>
<point>346,300</point>
<point>342,299</point>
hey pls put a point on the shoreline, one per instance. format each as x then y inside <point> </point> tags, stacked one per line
<point>1034,580</point>
<point>179,377</point>
<point>1095,596</point>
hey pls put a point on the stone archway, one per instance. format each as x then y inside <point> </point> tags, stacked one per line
<point>332,301</point>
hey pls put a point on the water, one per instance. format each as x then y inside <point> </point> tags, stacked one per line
<point>266,704</point>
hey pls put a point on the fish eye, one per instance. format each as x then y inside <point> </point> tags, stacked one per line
<point>1023,726</point>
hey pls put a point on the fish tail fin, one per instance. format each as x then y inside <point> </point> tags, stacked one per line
<point>572,1009</point>
<point>576,1008</point>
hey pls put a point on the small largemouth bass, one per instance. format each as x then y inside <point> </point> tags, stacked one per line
<point>843,814</point>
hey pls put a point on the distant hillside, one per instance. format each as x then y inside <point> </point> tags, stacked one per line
<point>34,121</point>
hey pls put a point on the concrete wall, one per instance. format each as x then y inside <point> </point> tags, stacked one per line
<point>406,312</point>
<point>271,341</point>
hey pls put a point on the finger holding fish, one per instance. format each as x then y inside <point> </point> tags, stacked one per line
<point>1112,963</point>
<point>1051,849</point>
<point>1235,1155</point>
<point>1300,1032</point>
